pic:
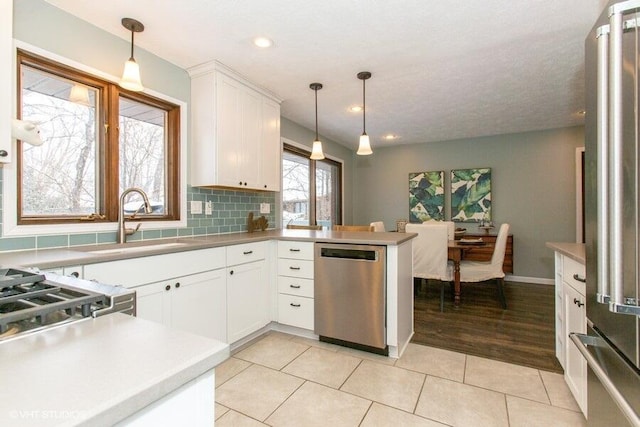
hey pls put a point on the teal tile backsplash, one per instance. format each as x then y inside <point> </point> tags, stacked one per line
<point>230,210</point>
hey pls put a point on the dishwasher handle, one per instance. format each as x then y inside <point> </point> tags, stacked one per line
<point>351,254</point>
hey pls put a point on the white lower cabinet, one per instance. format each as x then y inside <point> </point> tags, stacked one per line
<point>295,284</point>
<point>195,303</point>
<point>571,316</point>
<point>247,290</point>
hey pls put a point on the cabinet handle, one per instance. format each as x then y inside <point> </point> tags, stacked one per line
<point>294,268</point>
<point>247,252</point>
<point>579,279</point>
<point>3,153</point>
<point>294,305</point>
<point>231,272</point>
<point>177,284</point>
<point>245,184</point>
<point>294,286</point>
<point>265,186</point>
<point>577,302</point>
<point>240,183</point>
<point>294,250</point>
<point>75,274</point>
<point>168,287</point>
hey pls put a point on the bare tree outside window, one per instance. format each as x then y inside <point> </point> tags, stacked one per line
<point>299,189</point>
<point>58,177</point>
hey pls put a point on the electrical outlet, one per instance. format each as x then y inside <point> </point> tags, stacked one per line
<point>196,206</point>
<point>265,208</point>
<point>208,208</point>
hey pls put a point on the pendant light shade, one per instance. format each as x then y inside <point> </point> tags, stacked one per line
<point>131,75</point>
<point>79,94</point>
<point>364,147</point>
<point>316,151</point>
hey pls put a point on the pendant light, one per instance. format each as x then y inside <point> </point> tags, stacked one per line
<point>316,151</point>
<point>364,148</point>
<point>131,74</point>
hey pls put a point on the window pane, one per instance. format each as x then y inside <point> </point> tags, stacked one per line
<point>295,189</point>
<point>143,151</point>
<point>327,194</point>
<point>58,177</point>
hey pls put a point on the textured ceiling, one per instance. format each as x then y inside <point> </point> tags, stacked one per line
<point>442,70</point>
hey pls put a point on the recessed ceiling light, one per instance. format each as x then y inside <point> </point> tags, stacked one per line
<point>390,137</point>
<point>582,112</point>
<point>355,108</point>
<point>263,42</point>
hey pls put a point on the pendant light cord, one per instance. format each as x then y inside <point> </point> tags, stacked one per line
<point>132,33</point>
<point>364,109</point>
<point>316,91</point>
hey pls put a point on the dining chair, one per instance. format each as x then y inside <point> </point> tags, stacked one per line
<point>478,271</point>
<point>304,227</point>
<point>352,228</point>
<point>377,226</point>
<point>430,254</point>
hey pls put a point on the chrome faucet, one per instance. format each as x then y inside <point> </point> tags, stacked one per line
<point>123,231</point>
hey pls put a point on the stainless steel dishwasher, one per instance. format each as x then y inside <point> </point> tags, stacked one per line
<point>350,295</point>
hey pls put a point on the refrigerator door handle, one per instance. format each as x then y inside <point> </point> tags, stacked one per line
<point>582,341</point>
<point>615,159</point>
<point>602,292</point>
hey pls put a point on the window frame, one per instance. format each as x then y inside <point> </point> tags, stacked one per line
<point>107,173</point>
<point>10,227</point>
<point>300,150</point>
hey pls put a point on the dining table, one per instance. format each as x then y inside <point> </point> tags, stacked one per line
<point>456,250</point>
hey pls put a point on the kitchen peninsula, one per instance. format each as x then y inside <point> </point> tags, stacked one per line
<point>233,276</point>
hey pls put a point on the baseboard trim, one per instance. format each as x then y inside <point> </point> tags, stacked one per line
<point>525,279</point>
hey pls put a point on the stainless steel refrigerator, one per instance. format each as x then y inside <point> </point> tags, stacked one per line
<point>612,215</point>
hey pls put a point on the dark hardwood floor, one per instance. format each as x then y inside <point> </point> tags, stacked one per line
<point>522,334</point>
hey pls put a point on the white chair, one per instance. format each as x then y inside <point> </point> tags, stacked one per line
<point>477,271</point>
<point>451,227</point>
<point>378,226</point>
<point>430,254</point>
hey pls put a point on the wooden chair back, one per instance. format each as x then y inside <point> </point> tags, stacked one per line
<point>352,228</point>
<point>304,227</point>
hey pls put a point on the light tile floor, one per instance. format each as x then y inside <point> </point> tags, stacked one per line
<point>284,380</point>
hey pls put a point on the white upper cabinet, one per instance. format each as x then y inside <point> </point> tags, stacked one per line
<point>235,131</point>
<point>6,58</point>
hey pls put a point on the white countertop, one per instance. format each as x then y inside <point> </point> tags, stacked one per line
<point>574,251</point>
<point>98,371</point>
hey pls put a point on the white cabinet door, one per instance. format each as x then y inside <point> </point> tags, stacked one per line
<point>251,139</point>
<point>194,303</point>
<point>198,304</point>
<point>247,299</point>
<point>575,373</point>
<point>153,302</point>
<point>229,130</point>
<point>271,152</point>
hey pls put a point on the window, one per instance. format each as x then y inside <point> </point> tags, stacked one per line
<point>98,140</point>
<point>311,189</point>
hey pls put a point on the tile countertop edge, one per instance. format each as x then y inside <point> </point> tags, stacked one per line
<point>110,394</point>
<point>75,255</point>
<point>575,251</point>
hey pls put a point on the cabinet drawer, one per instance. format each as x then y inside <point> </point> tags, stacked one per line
<point>295,250</point>
<point>295,268</point>
<point>295,311</point>
<point>249,252</point>
<point>295,286</point>
<point>573,273</point>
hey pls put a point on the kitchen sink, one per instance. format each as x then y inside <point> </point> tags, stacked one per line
<point>129,249</point>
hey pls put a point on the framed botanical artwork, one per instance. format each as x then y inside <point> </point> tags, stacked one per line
<point>471,195</point>
<point>426,196</point>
